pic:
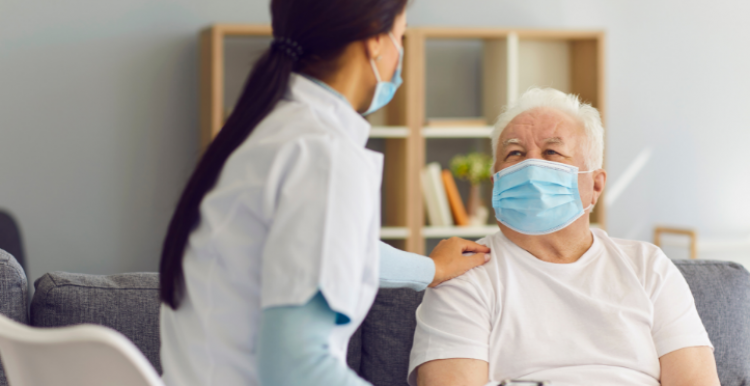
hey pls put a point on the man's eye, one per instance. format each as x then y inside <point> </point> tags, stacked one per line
<point>515,153</point>
<point>551,152</point>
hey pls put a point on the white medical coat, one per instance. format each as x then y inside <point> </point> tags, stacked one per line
<point>296,210</point>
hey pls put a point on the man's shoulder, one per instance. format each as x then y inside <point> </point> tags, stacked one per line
<point>484,277</point>
<point>628,244</point>
<point>644,256</point>
<point>478,279</point>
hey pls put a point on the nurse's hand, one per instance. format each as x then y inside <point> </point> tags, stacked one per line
<point>454,256</point>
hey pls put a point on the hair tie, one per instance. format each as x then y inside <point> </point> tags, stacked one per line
<point>288,47</point>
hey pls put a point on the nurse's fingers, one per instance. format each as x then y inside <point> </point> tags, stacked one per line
<point>455,256</point>
<point>470,246</point>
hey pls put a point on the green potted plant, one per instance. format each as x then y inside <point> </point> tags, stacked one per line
<point>475,168</point>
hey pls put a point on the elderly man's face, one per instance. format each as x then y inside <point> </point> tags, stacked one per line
<point>542,133</point>
<point>551,135</point>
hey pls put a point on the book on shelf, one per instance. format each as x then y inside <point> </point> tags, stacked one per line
<point>454,199</point>
<point>430,200</point>
<point>436,199</point>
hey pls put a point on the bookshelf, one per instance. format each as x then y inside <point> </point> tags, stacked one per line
<point>425,123</point>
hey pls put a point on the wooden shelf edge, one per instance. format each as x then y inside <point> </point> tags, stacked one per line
<point>389,132</point>
<point>457,132</point>
<point>394,233</point>
<point>237,29</point>
<point>242,29</point>
<point>431,232</point>
<point>501,33</point>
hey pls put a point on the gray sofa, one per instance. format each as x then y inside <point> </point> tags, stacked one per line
<point>379,351</point>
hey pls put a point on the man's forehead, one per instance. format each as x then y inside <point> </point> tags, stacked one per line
<point>546,125</point>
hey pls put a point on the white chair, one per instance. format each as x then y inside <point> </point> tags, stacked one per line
<point>83,355</point>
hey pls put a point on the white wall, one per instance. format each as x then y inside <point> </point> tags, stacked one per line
<point>98,114</point>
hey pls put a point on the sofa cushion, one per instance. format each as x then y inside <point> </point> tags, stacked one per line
<point>722,297</point>
<point>128,303</point>
<point>387,336</point>
<point>14,296</point>
<point>354,354</point>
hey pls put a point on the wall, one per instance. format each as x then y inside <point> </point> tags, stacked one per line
<point>98,114</point>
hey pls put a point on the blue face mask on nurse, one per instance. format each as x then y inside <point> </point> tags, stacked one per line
<point>544,183</point>
<point>384,91</point>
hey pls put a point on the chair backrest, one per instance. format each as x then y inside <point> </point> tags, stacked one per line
<point>10,237</point>
<point>83,355</point>
<point>13,295</point>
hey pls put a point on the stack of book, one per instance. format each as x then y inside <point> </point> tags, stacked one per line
<point>442,200</point>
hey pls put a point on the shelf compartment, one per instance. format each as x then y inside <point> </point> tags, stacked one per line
<point>470,231</point>
<point>453,79</point>
<point>394,233</point>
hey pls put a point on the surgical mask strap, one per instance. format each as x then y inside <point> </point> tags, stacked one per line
<point>375,70</point>
<point>591,205</point>
<point>372,62</point>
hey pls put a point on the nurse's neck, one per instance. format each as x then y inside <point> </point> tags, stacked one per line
<point>352,77</point>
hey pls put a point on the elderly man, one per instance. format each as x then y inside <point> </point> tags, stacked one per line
<point>559,301</point>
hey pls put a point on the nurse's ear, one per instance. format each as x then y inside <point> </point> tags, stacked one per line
<point>374,46</point>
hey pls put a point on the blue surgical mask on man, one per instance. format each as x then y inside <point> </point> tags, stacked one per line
<point>537,197</point>
<point>384,91</point>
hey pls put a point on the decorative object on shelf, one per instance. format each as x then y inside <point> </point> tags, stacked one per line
<point>475,168</point>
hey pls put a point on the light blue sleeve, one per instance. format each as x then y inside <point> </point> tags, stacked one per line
<point>293,347</point>
<point>400,269</point>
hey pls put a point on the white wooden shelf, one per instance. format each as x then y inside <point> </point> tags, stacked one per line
<point>457,132</point>
<point>394,233</point>
<point>432,132</point>
<point>389,132</point>
<point>511,61</point>
<point>470,231</point>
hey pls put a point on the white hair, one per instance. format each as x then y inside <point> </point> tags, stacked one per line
<point>593,149</point>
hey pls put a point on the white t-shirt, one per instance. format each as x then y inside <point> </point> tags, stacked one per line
<point>602,320</point>
<point>296,210</point>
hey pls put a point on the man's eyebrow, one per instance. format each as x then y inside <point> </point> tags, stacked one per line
<point>554,140</point>
<point>512,140</point>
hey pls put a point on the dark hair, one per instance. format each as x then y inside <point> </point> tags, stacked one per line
<point>320,30</point>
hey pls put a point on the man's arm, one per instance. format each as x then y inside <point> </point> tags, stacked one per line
<point>682,343</point>
<point>453,372</point>
<point>690,366</point>
<point>451,341</point>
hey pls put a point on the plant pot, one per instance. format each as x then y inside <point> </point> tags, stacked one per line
<point>477,212</point>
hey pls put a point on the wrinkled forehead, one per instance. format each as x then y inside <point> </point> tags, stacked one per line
<point>541,124</point>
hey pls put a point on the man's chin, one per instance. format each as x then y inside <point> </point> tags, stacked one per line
<point>582,225</point>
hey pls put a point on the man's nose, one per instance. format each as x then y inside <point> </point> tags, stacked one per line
<point>534,154</point>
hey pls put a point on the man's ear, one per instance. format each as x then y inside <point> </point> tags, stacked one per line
<point>600,180</point>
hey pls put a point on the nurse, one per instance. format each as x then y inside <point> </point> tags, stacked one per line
<point>272,258</point>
